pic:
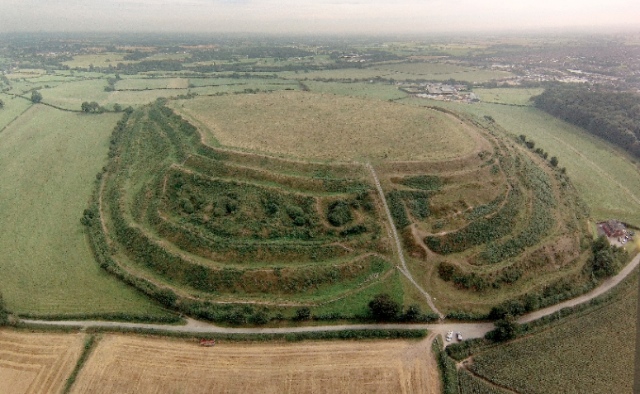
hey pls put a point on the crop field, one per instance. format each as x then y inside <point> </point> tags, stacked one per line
<point>146,365</point>
<point>606,179</point>
<point>329,127</point>
<point>48,161</point>
<point>592,352</point>
<point>37,363</point>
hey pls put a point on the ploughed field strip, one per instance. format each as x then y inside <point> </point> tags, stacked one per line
<point>37,363</point>
<point>199,226</point>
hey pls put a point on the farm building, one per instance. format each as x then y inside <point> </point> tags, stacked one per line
<point>612,228</point>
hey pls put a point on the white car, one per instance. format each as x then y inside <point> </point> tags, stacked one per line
<point>459,336</point>
<point>449,336</point>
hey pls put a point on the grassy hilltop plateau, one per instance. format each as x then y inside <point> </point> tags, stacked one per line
<point>276,183</point>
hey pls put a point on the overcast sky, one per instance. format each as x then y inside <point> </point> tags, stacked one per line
<point>315,16</point>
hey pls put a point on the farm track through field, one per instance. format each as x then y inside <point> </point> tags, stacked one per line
<point>405,271</point>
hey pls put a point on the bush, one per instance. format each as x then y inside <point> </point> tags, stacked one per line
<point>423,182</point>
<point>303,313</point>
<point>506,329</point>
<point>384,308</point>
<point>36,97</point>
<point>4,315</point>
<point>339,213</point>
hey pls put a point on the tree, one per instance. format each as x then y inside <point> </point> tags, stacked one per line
<point>117,107</point>
<point>505,330</point>
<point>605,259</point>
<point>36,97</point>
<point>412,314</point>
<point>384,308</point>
<point>1,104</point>
<point>553,161</point>
<point>90,107</point>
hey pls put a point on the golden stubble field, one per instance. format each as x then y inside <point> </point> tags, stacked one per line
<point>328,127</point>
<point>133,364</point>
<point>35,362</point>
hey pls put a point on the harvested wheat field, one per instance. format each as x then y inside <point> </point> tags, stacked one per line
<point>37,363</point>
<point>130,364</point>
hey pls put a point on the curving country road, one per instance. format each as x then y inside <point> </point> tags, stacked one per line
<point>468,330</point>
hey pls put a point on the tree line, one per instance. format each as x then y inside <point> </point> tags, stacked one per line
<point>612,116</point>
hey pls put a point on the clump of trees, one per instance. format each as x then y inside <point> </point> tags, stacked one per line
<point>36,97</point>
<point>506,329</point>
<point>91,107</point>
<point>605,259</point>
<point>612,116</point>
<point>383,308</point>
<point>553,161</point>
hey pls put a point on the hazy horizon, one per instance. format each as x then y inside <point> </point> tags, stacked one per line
<point>316,17</point>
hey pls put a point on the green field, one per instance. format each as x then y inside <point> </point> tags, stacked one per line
<point>151,83</point>
<point>606,178</point>
<point>515,96</point>
<point>345,73</point>
<point>439,72</point>
<point>71,95</point>
<point>49,160</point>
<point>592,352</point>
<point>13,107</point>
<point>374,91</point>
<point>329,127</point>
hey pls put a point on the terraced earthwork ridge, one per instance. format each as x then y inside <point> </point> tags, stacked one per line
<point>242,236</point>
